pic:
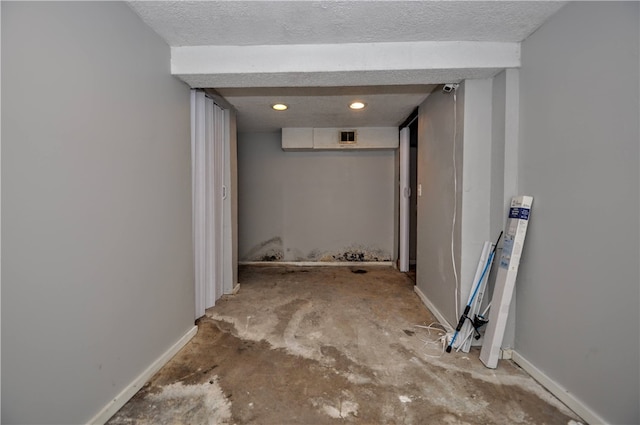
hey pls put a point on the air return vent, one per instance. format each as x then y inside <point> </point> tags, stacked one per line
<point>348,137</point>
<point>307,138</point>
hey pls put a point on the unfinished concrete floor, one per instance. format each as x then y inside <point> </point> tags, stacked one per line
<point>329,345</point>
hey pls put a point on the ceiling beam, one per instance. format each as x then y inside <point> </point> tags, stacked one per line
<point>351,64</point>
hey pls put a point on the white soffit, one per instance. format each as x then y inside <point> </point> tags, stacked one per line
<point>340,64</point>
<point>305,52</point>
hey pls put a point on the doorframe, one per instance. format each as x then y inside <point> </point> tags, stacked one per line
<point>405,192</point>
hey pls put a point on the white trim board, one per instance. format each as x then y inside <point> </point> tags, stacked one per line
<point>130,390</point>
<point>317,263</point>
<point>432,308</point>
<point>558,390</point>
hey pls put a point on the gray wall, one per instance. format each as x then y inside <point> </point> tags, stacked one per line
<point>504,170</point>
<point>578,291</point>
<point>230,205</point>
<point>413,202</point>
<point>312,206</point>
<point>475,209</point>
<point>434,273</point>
<point>233,171</point>
<point>498,208</point>
<point>97,276</point>
<point>436,207</point>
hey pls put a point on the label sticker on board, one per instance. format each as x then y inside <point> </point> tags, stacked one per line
<point>507,247</point>
<point>519,213</point>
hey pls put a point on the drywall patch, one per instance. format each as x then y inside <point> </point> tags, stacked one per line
<point>269,250</point>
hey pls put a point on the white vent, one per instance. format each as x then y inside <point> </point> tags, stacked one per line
<point>307,138</point>
<point>348,137</point>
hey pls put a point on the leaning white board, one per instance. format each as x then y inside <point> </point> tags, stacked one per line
<point>516,230</point>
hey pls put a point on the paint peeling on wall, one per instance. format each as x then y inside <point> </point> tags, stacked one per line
<point>269,250</point>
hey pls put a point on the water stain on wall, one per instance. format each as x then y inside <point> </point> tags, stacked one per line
<point>273,250</point>
<point>269,250</point>
<point>356,253</point>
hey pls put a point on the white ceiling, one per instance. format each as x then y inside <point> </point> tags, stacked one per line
<point>387,106</point>
<point>422,31</point>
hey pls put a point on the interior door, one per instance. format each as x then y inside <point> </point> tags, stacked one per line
<point>208,140</point>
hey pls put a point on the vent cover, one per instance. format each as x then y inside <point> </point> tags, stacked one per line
<point>348,137</point>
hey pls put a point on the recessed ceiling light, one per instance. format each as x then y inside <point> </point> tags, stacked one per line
<point>280,107</point>
<point>357,105</point>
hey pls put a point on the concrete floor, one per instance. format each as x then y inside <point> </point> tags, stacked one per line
<point>330,345</point>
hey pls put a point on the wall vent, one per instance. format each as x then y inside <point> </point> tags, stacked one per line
<point>348,137</point>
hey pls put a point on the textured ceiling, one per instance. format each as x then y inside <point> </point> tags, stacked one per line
<point>390,95</point>
<point>237,23</point>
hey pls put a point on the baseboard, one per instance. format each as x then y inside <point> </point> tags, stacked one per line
<point>317,263</point>
<point>114,405</point>
<point>506,354</point>
<point>432,308</point>
<point>557,390</point>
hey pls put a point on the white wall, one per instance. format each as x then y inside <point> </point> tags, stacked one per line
<point>97,276</point>
<point>310,206</point>
<point>578,286</point>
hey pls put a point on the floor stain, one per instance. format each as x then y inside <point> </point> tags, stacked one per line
<point>330,346</point>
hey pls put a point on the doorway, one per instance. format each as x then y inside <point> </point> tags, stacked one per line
<point>408,194</point>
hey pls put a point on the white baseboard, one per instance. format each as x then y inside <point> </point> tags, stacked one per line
<point>506,354</point>
<point>432,308</point>
<point>557,390</point>
<point>317,263</point>
<point>130,390</point>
